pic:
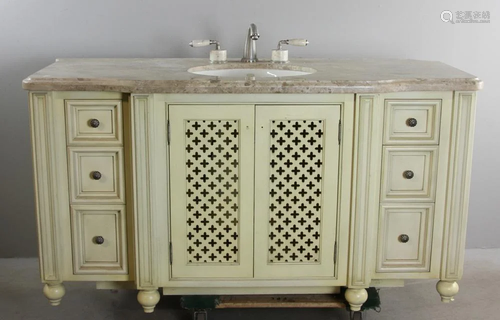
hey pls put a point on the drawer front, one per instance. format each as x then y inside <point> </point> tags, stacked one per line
<point>409,173</point>
<point>412,121</point>
<point>99,243</point>
<point>94,122</point>
<point>96,175</point>
<point>405,238</point>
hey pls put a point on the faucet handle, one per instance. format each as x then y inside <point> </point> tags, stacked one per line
<point>204,43</point>
<point>298,42</point>
<point>281,56</point>
<point>199,43</point>
<point>217,55</point>
<point>293,42</point>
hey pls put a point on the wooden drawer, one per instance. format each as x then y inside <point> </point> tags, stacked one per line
<point>99,239</point>
<point>94,122</point>
<point>412,121</point>
<point>405,238</point>
<point>409,173</point>
<point>96,175</point>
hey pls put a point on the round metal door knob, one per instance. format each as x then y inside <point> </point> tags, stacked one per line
<point>411,122</point>
<point>94,123</point>
<point>98,240</point>
<point>408,174</point>
<point>96,175</point>
<point>404,238</point>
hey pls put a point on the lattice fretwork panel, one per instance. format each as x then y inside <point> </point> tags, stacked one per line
<point>296,174</point>
<point>212,189</point>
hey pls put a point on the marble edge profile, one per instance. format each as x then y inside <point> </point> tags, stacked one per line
<point>214,85</point>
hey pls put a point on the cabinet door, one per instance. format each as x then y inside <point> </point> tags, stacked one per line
<point>211,174</point>
<point>297,161</point>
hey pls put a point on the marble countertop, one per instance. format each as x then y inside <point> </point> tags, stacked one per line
<point>171,76</point>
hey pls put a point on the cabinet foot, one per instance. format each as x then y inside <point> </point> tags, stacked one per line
<point>447,290</point>
<point>54,292</point>
<point>148,299</point>
<point>356,298</point>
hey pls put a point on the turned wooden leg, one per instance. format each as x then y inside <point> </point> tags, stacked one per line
<point>54,292</point>
<point>447,290</point>
<point>356,298</point>
<point>148,299</point>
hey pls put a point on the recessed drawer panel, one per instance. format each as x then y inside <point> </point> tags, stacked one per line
<point>96,175</point>
<point>99,239</point>
<point>409,173</point>
<point>405,238</point>
<point>94,122</point>
<point>412,121</point>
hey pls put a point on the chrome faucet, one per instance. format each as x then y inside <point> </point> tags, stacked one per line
<point>250,51</point>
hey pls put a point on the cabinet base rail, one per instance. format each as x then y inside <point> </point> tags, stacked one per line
<point>200,305</point>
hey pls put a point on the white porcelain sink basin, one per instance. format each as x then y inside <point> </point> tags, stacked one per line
<point>251,71</point>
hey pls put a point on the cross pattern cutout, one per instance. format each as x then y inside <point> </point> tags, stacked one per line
<point>212,179</point>
<point>296,174</point>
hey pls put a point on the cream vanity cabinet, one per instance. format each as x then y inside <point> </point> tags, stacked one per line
<point>235,193</point>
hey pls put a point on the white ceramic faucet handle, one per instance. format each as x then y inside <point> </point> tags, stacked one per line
<point>200,43</point>
<point>281,56</point>
<point>298,42</point>
<point>217,55</point>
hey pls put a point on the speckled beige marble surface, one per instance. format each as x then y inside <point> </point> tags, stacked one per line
<point>171,76</point>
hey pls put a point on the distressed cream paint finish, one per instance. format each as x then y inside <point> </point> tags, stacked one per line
<point>212,168</point>
<point>110,223</point>
<point>240,193</point>
<point>297,177</point>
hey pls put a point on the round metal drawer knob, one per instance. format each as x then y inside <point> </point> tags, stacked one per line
<point>404,238</point>
<point>94,123</point>
<point>96,175</point>
<point>408,174</point>
<point>98,240</point>
<point>411,122</point>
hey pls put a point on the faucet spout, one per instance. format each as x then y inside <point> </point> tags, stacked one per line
<point>253,32</point>
<point>250,51</point>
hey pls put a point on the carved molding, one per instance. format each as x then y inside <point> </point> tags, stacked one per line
<point>457,195</point>
<point>42,137</point>
<point>367,159</point>
<point>149,147</point>
<point>141,137</point>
